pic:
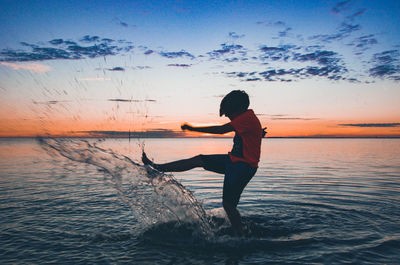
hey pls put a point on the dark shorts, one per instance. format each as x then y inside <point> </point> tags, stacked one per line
<point>237,175</point>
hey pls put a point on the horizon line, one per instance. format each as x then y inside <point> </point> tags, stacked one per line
<point>212,137</point>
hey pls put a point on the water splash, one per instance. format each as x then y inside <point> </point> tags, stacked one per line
<point>153,197</point>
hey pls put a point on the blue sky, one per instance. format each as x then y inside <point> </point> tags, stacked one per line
<point>154,64</point>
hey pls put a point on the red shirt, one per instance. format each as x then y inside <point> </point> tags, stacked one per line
<point>247,141</point>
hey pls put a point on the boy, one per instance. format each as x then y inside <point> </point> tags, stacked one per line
<point>239,165</point>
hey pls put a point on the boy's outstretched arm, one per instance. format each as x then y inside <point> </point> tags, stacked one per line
<point>264,132</point>
<point>219,129</point>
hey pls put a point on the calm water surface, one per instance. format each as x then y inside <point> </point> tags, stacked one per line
<point>311,201</point>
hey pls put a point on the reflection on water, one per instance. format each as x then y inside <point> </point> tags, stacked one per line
<point>311,201</point>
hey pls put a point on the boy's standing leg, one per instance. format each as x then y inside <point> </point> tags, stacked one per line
<point>234,217</point>
<point>237,176</point>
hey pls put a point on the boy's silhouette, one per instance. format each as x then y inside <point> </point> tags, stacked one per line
<point>239,165</point>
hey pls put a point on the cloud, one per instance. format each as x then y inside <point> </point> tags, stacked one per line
<point>386,65</point>
<point>148,52</point>
<point>239,74</point>
<point>294,118</point>
<point>283,60</point>
<point>233,60</point>
<point>285,32</point>
<point>118,68</point>
<point>329,65</point>
<point>122,69</point>
<point>320,57</point>
<point>373,125</point>
<point>280,74</point>
<point>124,100</point>
<point>121,23</point>
<point>330,72</point>
<point>33,67</point>
<point>272,24</point>
<point>174,55</point>
<point>316,63</point>
<point>180,65</point>
<point>356,14</point>
<point>227,49</point>
<point>268,62</point>
<point>107,40</point>
<point>234,35</point>
<point>282,52</point>
<point>50,102</point>
<point>156,133</point>
<point>346,27</point>
<point>363,43</point>
<point>90,39</point>
<point>91,47</point>
<point>283,28</point>
<point>56,41</point>
<point>341,6</point>
<point>344,30</point>
<point>292,74</point>
<point>141,67</point>
<point>131,100</point>
<point>253,79</point>
<point>229,53</point>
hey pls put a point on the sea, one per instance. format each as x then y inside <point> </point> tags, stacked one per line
<point>90,201</point>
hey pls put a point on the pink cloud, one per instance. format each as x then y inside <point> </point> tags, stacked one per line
<point>33,67</point>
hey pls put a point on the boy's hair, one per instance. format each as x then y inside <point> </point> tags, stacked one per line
<point>235,101</point>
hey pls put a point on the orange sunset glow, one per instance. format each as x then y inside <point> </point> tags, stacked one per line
<point>124,129</point>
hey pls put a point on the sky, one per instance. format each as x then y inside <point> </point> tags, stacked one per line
<point>142,68</point>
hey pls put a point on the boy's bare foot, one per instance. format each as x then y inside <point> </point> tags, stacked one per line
<point>146,160</point>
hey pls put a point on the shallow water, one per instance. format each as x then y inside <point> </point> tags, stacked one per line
<point>311,201</point>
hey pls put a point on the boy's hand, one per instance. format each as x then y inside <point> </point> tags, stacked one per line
<point>264,132</point>
<point>186,126</point>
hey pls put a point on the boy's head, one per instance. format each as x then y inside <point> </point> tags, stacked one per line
<point>237,101</point>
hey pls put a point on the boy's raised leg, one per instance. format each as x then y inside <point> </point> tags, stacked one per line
<point>175,166</point>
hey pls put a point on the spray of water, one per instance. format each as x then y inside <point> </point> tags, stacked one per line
<point>154,197</point>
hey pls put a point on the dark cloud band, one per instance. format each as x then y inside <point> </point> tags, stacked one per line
<point>86,47</point>
<point>157,133</point>
<point>174,55</point>
<point>371,125</point>
<point>131,100</point>
<point>118,69</point>
<point>179,65</point>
